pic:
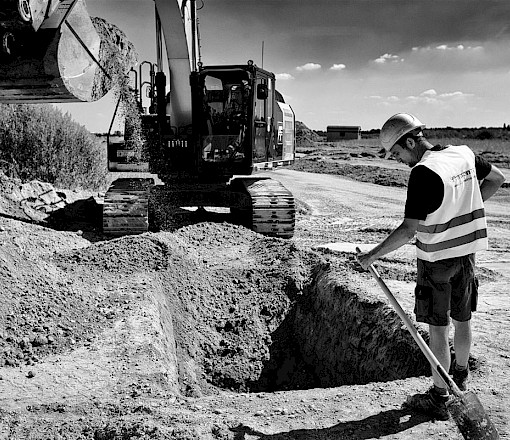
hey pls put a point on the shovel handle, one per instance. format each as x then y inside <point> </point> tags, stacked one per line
<point>448,381</point>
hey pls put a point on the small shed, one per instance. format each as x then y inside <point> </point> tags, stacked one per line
<point>338,133</point>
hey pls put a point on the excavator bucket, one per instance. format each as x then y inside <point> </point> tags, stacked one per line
<point>30,14</point>
<point>53,51</point>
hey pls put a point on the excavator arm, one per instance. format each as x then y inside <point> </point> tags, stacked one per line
<point>176,29</point>
<point>177,38</point>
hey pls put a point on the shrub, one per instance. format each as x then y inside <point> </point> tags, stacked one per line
<point>40,142</point>
<point>484,134</point>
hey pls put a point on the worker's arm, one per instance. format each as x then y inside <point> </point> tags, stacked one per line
<point>400,236</point>
<point>491,183</point>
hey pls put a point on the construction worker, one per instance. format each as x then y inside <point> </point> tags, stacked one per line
<point>445,210</point>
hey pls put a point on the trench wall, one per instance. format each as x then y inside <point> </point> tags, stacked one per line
<point>350,336</point>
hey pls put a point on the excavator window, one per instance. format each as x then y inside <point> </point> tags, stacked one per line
<point>262,92</point>
<point>225,112</point>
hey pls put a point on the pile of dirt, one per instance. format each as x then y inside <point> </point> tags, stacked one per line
<point>228,309</point>
<point>41,203</point>
<point>305,137</point>
<point>224,308</point>
<point>239,300</point>
<point>116,54</point>
<point>362,173</point>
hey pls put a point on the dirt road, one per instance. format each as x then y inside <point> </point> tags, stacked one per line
<point>334,209</point>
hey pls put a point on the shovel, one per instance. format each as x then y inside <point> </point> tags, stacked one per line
<point>465,409</point>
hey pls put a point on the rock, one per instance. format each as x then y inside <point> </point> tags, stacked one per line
<point>39,340</point>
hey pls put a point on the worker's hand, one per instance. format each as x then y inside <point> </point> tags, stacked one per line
<point>365,259</point>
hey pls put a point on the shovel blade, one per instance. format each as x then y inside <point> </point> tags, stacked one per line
<point>471,418</point>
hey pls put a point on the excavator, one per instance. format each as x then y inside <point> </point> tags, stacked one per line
<point>204,130</point>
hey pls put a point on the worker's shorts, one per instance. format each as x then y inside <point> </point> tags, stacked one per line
<point>446,286</point>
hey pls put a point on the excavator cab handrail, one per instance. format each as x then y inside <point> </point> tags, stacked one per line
<point>150,82</point>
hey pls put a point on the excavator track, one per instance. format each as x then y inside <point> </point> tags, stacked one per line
<point>126,207</point>
<point>273,208</point>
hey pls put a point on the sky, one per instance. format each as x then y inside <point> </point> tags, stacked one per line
<point>348,62</point>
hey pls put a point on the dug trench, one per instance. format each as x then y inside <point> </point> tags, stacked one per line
<point>231,310</point>
<point>262,315</point>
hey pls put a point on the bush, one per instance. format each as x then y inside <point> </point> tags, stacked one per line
<point>39,142</point>
<point>484,134</point>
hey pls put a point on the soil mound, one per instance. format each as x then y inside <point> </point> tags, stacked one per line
<point>237,309</point>
<point>227,288</point>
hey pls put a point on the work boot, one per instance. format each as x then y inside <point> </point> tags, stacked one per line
<point>460,376</point>
<point>431,403</point>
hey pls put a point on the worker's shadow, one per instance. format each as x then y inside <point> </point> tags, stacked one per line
<point>381,424</point>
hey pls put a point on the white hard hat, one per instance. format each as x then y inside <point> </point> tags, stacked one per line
<point>396,127</point>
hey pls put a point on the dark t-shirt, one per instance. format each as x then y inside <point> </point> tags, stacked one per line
<point>425,188</point>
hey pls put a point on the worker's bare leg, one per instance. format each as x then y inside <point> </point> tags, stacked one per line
<point>440,347</point>
<point>462,342</point>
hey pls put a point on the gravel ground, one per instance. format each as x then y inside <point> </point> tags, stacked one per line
<point>186,335</point>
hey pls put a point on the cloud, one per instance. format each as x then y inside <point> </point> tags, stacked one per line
<point>388,58</point>
<point>444,47</point>
<point>284,76</point>
<point>432,97</point>
<point>429,96</point>
<point>338,67</point>
<point>429,92</point>
<point>459,56</point>
<point>309,67</point>
<point>456,95</point>
<point>446,58</point>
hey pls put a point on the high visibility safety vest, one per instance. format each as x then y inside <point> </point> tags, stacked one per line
<point>458,227</point>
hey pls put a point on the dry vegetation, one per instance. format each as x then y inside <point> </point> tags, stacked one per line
<point>38,142</point>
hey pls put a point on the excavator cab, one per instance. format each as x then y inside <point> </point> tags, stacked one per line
<point>223,117</point>
<point>234,119</point>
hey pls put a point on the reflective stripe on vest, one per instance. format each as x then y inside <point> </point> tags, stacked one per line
<point>458,227</point>
<point>457,221</point>
<point>453,242</point>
